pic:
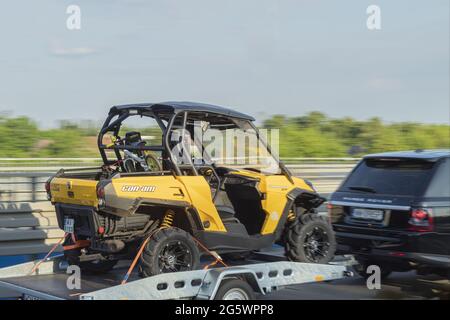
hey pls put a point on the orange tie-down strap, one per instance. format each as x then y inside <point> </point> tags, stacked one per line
<point>78,245</point>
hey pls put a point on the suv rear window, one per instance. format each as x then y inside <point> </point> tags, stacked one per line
<point>390,176</point>
<point>440,185</point>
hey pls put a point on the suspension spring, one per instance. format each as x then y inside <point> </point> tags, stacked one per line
<point>291,216</point>
<point>168,219</point>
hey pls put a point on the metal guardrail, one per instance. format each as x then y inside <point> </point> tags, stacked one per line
<point>44,164</point>
<point>23,186</point>
<point>38,164</point>
<point>22,179</point>
<point>27,228</point>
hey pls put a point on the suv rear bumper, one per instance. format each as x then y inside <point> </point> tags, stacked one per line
<point>401,248</point>
<point>432,260</point>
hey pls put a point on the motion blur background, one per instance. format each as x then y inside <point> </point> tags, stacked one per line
<point>313,69</point>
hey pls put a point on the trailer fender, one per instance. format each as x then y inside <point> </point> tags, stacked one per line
<point>215,277</point>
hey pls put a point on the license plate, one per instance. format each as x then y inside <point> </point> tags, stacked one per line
<point>69,224</point>
<point>368,214</point>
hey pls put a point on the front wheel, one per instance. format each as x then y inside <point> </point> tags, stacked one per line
<point>310,239</point>
<point>169,250</point>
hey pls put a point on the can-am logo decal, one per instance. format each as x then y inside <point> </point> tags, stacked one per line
<point>138,188</point>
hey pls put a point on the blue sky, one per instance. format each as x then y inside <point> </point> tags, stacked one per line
<point>261,57</point>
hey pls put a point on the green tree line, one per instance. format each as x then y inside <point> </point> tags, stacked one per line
<point>316,135</point>
<point>310,135</point>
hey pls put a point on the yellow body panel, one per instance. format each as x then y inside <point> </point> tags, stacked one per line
<point>194,190</point>
<point>123,193</point>
<point>200,198</point>
<point>160,187</point>
<point>300,183</point>
<point>74,191</point>
<point>276,188</point>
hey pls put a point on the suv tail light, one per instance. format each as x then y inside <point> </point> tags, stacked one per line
<point>421,220</point>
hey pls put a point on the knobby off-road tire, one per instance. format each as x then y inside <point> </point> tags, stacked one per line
<point>310,238</point>
<point>169,250</point>
<point>96,267</point>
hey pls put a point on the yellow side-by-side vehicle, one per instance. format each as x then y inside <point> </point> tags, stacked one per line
<point>182,203</point>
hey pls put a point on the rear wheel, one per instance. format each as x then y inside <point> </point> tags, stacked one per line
<point>234,289</point>
<point>169,250</point>
<point>310,239</point>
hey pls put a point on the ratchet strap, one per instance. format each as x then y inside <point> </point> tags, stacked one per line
<point>49,253</point>
<point>138,255</point>
<point>78,245</point>
<point>214,254</point>
<point>144,243</point>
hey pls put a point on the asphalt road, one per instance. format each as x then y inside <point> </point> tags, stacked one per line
<point>399,285</point>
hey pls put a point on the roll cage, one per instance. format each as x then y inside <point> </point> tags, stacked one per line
<point>165,116</point>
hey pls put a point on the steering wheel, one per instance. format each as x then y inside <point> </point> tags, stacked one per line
<point>211,176</point>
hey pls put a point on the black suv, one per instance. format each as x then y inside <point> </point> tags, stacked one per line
<point>393,210</point>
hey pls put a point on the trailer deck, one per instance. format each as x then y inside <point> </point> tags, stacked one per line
<point>54,286</point>
<point>265,272</point>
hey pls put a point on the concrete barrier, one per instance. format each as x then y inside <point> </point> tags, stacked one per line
<point>28,228</point>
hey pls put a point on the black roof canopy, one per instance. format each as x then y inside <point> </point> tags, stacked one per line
<point>177,106</point>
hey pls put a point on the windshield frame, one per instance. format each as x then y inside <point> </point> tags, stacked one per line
<point>239,123</point>
<point>113,126</point>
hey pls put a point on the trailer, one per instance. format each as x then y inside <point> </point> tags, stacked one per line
<point>262,274</point>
